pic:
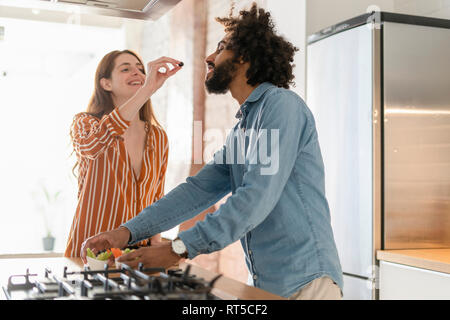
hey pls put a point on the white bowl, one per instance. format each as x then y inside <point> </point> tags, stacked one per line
<point>95,264</point>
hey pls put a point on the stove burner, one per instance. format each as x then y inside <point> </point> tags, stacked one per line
<point>111,284</point>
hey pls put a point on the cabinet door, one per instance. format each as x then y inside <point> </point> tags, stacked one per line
<point>400,282</point>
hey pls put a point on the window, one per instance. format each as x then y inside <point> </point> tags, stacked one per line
<point>46,76</point>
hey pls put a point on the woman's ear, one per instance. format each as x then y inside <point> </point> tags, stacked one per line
<point>106,84</point>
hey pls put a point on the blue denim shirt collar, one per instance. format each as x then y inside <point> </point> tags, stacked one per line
<point>253,97</point>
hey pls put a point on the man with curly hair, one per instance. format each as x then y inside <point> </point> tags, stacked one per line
<point>271,163</point>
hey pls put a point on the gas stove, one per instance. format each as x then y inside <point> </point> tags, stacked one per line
<point>110,284</point>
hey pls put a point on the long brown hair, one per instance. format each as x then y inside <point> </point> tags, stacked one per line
<point>101,102</point>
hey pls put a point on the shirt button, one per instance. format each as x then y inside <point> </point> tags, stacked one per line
<point>255,277</point>
<point>250,252</point>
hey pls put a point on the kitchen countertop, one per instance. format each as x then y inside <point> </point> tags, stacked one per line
<point>224,288</point>
<point>430,259</point>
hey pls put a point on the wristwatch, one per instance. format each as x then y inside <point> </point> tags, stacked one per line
<point>179,248</point>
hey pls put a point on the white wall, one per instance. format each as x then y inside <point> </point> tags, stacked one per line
<point>290,21</point>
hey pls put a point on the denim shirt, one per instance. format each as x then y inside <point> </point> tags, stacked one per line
<point>272,165</point>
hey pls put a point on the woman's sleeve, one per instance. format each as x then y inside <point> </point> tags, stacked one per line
<point>162,176</point>
<point>91,136</point>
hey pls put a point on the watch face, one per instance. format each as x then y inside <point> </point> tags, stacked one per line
<point>179,247</point>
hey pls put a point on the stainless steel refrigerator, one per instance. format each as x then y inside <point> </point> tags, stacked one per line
<point>379,87</point>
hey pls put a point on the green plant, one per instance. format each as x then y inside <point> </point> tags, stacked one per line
<point>47,207</point>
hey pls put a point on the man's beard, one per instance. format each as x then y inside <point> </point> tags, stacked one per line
<point>221,77</point>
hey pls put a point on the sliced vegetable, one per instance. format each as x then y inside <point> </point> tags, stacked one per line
<point>116,252</point>
<point>104,256</point>
<point>127,250</point>
<point>90,253</point>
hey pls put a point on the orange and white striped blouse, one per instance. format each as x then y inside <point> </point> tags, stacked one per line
<point>109,194</point>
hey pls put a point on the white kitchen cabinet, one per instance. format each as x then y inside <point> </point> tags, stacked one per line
<point>401,282</point>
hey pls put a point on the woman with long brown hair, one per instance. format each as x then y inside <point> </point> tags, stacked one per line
<point>121,149</point>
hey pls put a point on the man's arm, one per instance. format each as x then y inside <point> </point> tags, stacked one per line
<point>188,199</point>
<point>284,121</point>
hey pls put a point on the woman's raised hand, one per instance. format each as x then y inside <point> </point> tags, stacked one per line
<point>158,71</point>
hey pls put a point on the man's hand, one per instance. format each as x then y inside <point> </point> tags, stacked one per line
<point>157,256</point>
<point>117,238</point>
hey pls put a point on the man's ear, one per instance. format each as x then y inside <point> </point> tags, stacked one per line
<point>106,84</point>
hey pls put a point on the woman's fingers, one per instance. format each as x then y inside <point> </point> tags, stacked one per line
<point>173,71</point>
<point>159,71</point>
<point>156,65</point>
<point>172,61</point>
<point>162,69</point>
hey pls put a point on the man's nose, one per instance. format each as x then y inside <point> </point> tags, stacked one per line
<point>210,58</point>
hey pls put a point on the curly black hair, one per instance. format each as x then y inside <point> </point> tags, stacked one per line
<point>252,38</point>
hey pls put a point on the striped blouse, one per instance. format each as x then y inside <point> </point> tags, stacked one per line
<point>109,194</point>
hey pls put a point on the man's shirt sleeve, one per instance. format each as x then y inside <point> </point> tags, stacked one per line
<point>188,199</point>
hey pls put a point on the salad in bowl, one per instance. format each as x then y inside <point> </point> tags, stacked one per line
<point>97,262</point>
